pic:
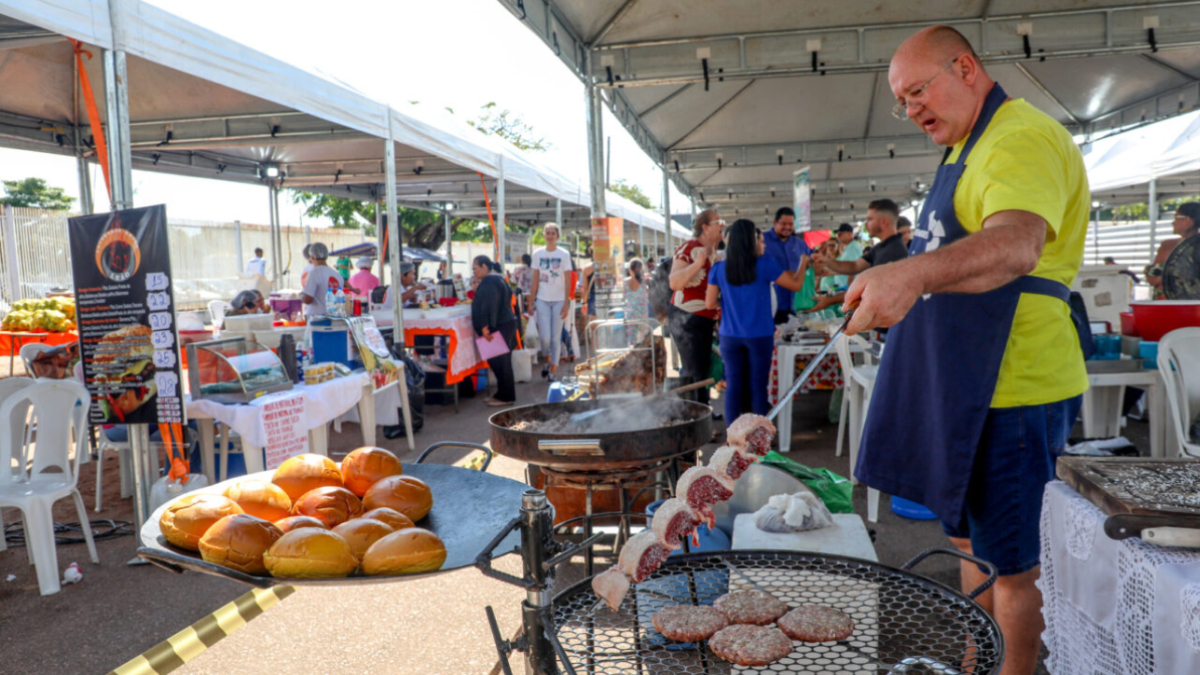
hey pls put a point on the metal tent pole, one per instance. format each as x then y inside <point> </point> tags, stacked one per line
<point>393,223</point>
<point>273,210</point>
<point>500,215</point>
<point>449,245</point>
<point>116,102</point>
<point>1153,212</point>
<point>237,240</point>
<point>1096,236</point>
<point>557,215</point>
<point>85,183</point>
<point>380,234</point>
<point>595,133</point>
<point>666,200</point>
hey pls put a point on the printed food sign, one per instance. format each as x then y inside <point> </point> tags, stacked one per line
<point>122,269</point>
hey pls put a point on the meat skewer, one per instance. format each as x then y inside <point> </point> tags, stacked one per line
<point>696,491</point>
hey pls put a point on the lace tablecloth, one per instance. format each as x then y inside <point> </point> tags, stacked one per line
<point>1120,607</point>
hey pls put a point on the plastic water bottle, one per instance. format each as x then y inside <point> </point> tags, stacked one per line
<point>341,303</point>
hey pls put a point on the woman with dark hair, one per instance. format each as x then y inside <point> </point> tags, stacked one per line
<point>1186,224</point>
<point>491,314</point>
<point>740,286</point>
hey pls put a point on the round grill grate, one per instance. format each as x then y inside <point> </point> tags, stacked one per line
<point>899,618</point>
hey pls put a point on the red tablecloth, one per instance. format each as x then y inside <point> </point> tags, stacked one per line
<point>8,343</point>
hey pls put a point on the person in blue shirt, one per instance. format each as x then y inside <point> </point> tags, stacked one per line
<point>741,286</point>
<point>786,250</point>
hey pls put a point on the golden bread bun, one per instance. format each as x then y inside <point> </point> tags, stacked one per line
<point>330,505</point>
<point>302,473</point>
<point>296,522</point>
<point>408,551</point>
<point>310,553</point>
<point>260,499</point>
<point>408,495</point>
<point>366,466</point>
<point>360,533</point>
<point>186,520</point>
<point>239,542</point>
<point>390,517</point>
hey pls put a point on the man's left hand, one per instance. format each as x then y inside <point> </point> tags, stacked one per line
<point>823,301</point>
<point>884,295</point>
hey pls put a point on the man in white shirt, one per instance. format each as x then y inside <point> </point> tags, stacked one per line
<point>321,279</point>
<point>258,265</point>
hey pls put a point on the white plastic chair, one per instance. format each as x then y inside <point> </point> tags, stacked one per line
<point>124,457</point>
<point>860,385</point>
<point>29,351</point>
<point>15,425</point>
<point>54,475</point>
<point>217,310</point>
<point>1179,365</point>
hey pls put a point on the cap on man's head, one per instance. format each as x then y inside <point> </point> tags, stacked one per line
<point>319,251</point>
<point>406,267</point>
<point>845,227</point>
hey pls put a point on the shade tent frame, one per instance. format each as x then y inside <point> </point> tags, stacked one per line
<point>730,98</point>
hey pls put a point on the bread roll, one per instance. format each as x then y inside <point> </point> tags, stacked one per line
<point>296,522</point>
<point>364,467</point>
<point>239,542</point>
<point>260,499</point>
<point>310,553</point>
<point>391,517</point>
<point>330,505</point>
<point>360,533</point>
<point>408,495</point>
<point>408,551</point>
<point>302,473</point>
<point>189,517</point>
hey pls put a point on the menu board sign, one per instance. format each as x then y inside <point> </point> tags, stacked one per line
<point>127,340</point>
<point>802,199</point>
<point>377,360</point>
<point>608,258</point>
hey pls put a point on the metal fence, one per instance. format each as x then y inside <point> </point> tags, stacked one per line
<point>206,259</point>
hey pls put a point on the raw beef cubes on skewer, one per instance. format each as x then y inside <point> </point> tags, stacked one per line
<point>731,461</point>
<point>701,487</point>
<point>752,433</point>
<point>674,519</point>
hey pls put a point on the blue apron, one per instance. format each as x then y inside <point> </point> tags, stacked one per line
<point>939,371</point>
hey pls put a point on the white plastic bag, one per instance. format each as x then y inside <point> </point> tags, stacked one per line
<point>531,335</point>
<point>800,512</point>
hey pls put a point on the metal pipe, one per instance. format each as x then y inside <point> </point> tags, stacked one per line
<point>237,235</point>
<point>220,118</point>
<point>393,224</point>
<point>449,245</point>
<point>231,140</point>
<point>501,216</point>
<point>595,132</point>
<point>116,100</point>
<point>666,197</point>
<point>537,532</point>
<point>557,215</point>
<point>380,235</point>
<point>1153,215</point>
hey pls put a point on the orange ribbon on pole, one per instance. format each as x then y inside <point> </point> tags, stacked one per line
<point>93,113</point>
<point>491,221</point>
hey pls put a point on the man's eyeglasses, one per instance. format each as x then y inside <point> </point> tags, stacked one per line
<point>917,98</point>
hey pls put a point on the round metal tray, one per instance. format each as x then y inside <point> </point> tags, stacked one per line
<point>903,622</point>
<point>469,508</point>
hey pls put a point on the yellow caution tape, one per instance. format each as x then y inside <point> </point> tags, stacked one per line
<point>190,642</point>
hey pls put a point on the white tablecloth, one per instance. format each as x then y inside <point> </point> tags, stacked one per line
<point>1121,607</point>
<point>322,403</point>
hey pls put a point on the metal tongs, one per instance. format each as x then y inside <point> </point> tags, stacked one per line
<point>812,365</point>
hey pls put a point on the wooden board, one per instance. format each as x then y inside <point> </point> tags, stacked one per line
<point>1135,485</point>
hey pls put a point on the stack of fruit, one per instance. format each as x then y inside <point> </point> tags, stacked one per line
<point>53,315</point>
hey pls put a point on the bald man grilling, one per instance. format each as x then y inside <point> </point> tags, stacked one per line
<point>982,376</point>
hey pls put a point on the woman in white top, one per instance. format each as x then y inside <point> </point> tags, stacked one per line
<point>551,265</point>
<point>637,300</point>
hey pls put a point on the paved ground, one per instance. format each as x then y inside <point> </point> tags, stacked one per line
<point>429,626</point>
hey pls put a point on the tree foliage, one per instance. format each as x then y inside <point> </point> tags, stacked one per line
<point>1141,210</point>
<point>34,193</point>
<point>631,192</point>
<point>510,127</point>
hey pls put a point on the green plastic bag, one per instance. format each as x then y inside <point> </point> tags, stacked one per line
<point>803,300</point>
<point>833,489</point>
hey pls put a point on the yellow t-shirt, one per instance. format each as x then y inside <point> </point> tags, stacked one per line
<point>1026,161</point>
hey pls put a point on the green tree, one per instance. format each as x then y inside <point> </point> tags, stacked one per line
<point>34,193</point>
<point>510,127</point>
<point>631,192</point>
<point>1141,210</point>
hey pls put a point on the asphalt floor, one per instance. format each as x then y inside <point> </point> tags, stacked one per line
<point>428,626</point>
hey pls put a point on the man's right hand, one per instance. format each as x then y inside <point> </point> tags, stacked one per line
<point>700,254</point>
<point>884,294</point>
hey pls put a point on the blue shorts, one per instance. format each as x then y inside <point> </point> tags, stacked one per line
<point>1013,463</point>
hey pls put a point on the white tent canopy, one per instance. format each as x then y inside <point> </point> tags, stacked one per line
<point>204,105</point>
<point>1119,168</point>
<point>732,98</point>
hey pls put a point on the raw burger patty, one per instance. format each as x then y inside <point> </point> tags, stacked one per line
<point>816,623</point>
<point>685,623</point>
<point>750,645</point>
<point>752,607</point>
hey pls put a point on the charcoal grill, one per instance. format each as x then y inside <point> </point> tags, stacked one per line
<point>904,622</point>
